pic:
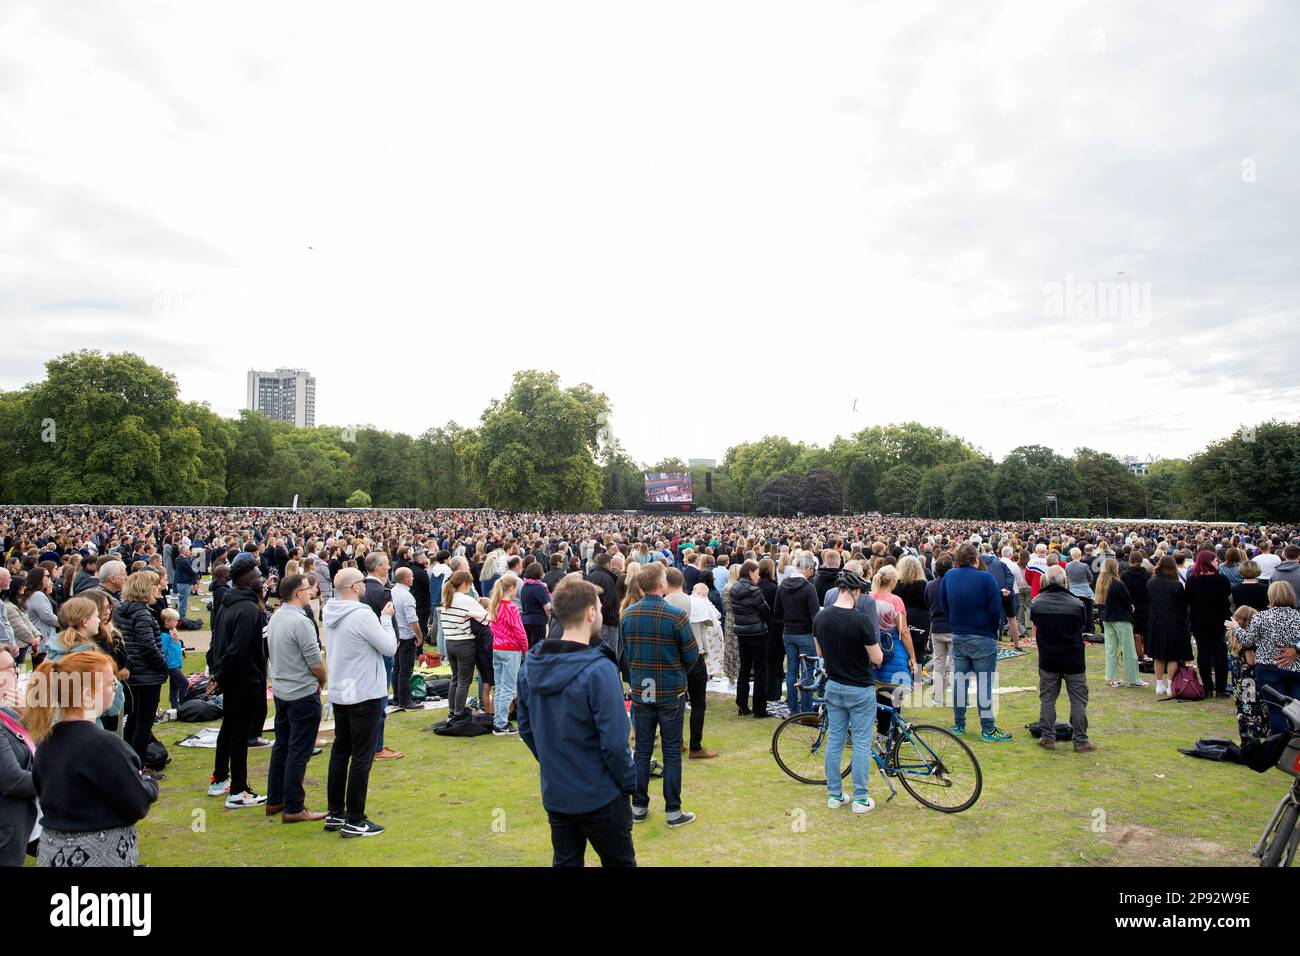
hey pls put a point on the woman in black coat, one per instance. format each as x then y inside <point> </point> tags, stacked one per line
<point>143,638</point>
<point>1209,601</point>
<point>1135,578</point>
<point>1168,640</point>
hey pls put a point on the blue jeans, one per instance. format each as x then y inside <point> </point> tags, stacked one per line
<point>796,644</point>
<point>667,718</point>
<point>183,602</point>
<point>383,708</point>
<point>296,725</point>
<point>851,709</point>
<point>437,626</point>
<point>505,667</point>
<point>1284,682</point>
<point>974,655</point>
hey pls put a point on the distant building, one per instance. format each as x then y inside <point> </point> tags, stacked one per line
<point>1138,466</point>
<point>287,394</point>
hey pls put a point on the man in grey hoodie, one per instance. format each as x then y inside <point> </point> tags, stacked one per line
<point>358,686</point>
<point>1289,568</point>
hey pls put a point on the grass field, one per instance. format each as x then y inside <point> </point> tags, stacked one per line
<point>1135,800</point>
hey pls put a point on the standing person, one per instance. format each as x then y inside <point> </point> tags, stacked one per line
<point>509,644</point>
<point>1251,592</point>
<point>36,601</point>
<point>239,674</point>
<point>174,655</point>
<point>1288,569</point>
<point>572,718</point>
<point>358,643</point>
<point>410,638</point>
<point>420,591</point>
<point>1274,636</point>
<point>1135,578</point>
<point>185,579</point>
<point>849,647</point>
<point>297,677</point>
<point>535,604</point>
<point>970,600</point>
<point>89,781</point>
<point>1059,617</point>
<point>796,606</point>
<point>775,631</point>
<point>661,651</point>
<point>438,575</point>
<point>601,577</point>
<point>1168,641</point>
<point>751,616</point>
<point>17,754</point>
<point>940,632</point>
<point>1209,603</point>
<point>458,609</point>
<point>697,677</point>
<point>1116,606</point>
<point>378,596</point>
<point>1079,574</point>
<point>144,651</point>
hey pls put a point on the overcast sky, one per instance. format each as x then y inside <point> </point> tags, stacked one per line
<point>734,218</point>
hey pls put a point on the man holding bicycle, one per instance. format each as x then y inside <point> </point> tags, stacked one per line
<point>848,642</point>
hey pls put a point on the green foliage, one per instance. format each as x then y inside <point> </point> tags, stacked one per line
<point>781,495</point>
<point>969,490</point>
<point>860,488</point>
<point>897,489</point>
<point>358,499</point>
<point>1109,488</point>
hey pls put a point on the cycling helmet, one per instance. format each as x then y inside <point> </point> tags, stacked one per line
<point>852,581</point>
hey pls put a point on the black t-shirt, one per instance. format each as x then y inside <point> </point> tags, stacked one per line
<point>1251,595</point>
<point>843,635</point>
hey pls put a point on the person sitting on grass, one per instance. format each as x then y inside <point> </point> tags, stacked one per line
<point>1059,618</point>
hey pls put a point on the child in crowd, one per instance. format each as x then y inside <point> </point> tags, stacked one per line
<point>174,653</point>
<point>706,623</point>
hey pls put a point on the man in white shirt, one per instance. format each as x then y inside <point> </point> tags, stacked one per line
<point>410,638</point>
<point>1266,560</point>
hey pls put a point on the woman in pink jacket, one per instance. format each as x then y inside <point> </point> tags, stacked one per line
<point>509,644</point>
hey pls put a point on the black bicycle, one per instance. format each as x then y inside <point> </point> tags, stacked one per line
<point>1277,847</point>
<point>933,764</point>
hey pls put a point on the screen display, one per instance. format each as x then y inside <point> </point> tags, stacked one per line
<point>668,487</point>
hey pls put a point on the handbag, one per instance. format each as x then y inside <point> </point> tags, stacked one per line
<point>1187,685</point>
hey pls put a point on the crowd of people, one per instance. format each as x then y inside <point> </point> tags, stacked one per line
<point>578,633</point>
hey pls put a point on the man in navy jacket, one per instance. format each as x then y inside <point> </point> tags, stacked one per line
<point>972,603</point>
<point>573,719</point>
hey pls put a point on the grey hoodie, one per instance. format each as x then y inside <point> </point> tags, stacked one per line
<point>1288,571</point>
<point>357,645</point>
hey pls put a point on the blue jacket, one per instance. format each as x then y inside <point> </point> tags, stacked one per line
<point>971,601</point>
<point>172,652</point>
<point>573,719</point>
<point>185,573</point>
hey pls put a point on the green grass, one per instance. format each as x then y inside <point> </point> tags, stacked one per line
<point>476,801</point>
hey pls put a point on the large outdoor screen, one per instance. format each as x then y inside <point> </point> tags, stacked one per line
<point>667,487</point>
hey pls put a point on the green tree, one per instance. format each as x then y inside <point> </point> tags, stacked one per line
<point>897,489</point>
<point>1162,489</point>
<point>969,492</point>
<point>1109,488</point>
<point>358,499</point>
<point>821,493</point>
<point>781,495</point>
<point>860,488</point>
<point>931,491</point>
<point>1018,495</point>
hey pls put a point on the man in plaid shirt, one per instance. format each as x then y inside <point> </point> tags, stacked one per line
<point>660,650</point>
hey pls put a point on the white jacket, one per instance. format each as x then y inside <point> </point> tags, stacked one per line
<point>356,644</point>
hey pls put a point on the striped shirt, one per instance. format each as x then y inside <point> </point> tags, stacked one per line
<point>661,648</point>
<point>455,619</point>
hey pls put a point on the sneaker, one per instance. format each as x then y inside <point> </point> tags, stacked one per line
<point>334,822</point>
<point>237,801</point>
<point>363,829</point>
<point>1138,683</point>
<point>258,742</point>
<point>681,819</point>
<point>958,729</point>
<point>834,803</point>
<point>639,816</point>
<point>219,788</point>
<point>153,775</point>
<point>995,736</point>
<point>506,731</point>
<point>864,806</point>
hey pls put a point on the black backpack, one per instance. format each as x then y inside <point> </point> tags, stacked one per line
<point>155,755</point>
<point>1063,731</point>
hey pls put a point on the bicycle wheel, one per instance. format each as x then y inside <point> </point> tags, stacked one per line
<point>1284,835</point>
<point>937,768</point>
<point>799,746</point>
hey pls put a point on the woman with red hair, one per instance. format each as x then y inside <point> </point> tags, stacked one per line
<point>1209,602</point>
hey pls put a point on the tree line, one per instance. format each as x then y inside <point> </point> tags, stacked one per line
<point>112,429</point>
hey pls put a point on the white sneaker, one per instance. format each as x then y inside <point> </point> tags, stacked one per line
<point>219,788</point>
<point>248,798</point>
<point>834,803</point>
<point>1160,687</point>
<point>864,806</point>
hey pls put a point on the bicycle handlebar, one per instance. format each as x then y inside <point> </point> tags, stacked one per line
<point>1275,696</point>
